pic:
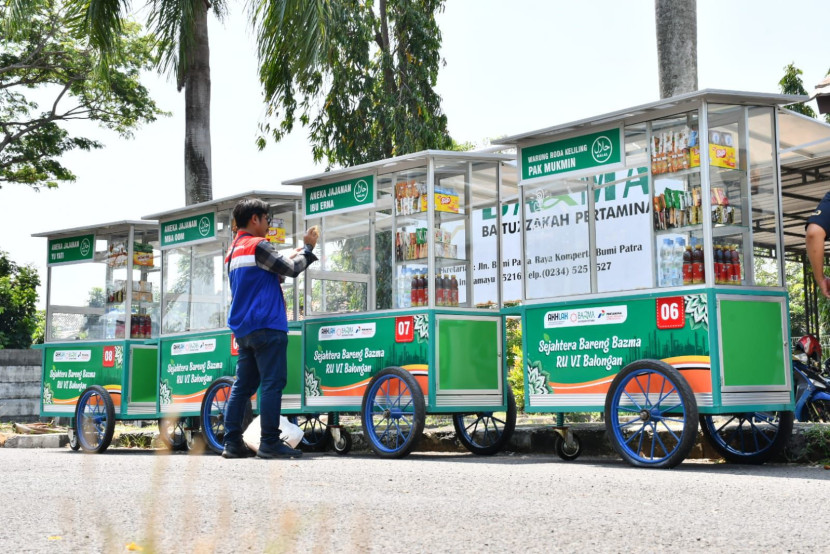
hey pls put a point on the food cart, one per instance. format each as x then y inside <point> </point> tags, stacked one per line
<point>402,311</point>
<point>102,290</point>
<point>645,295</point>
<point>197,352</point>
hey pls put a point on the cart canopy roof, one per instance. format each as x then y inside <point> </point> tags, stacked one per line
<point>102,228</point>
<point>390,165</point>
<point>228,202</point>
<point>653,110</point>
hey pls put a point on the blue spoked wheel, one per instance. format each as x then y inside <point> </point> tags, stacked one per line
<point>212,414</point>
<point>315,429</point>
<point>94,419</point>
<point>486,433</point>
<point>393,413</point>
<point>748,438</point>
<point>651,414</point>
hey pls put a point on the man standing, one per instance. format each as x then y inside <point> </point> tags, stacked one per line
<point>258,319</point>
<point>818,227</point>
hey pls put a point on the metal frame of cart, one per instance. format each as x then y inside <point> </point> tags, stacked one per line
<point>101,309</point>
<point>642,296</point>
<point>402,312</point>
<point>197,352</point>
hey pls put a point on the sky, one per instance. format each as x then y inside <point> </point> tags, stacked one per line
<point>511,67</point>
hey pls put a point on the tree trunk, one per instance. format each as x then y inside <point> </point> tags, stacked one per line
<point>676,46</point>
<point>198,186</point>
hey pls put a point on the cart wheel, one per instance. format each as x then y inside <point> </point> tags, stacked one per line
<point>171,433</point>
<point>344,445</point>
<point>748,438</point>
<point>483,433</point>
<point>94,419</point>
<point>213,414</point>
<point>651,414</point>
<point>315,430</point>
<point>393,413</point>
<point>74,444</point>
<point>568,452</point>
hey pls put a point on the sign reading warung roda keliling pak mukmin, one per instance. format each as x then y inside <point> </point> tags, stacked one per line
<point>339,197</point>
<point>590,151</point>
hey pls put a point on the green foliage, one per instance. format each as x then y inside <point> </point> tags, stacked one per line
<point>359,74</point>
<point>39,334</point>
<point>515,368</point>
<point>45,55</point>
<point>791,83</point>
<point>18,295</point>
<point>817,443</point>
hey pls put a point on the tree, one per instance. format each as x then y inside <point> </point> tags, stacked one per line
<point>791,83</point>
<point>18,296</point>
<point>42,57</point>
<point>184,51</point>
<point>359,74</point>
<point>676,22</point>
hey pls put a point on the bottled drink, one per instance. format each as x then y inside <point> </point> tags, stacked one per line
<point>439,290</point>
<point>148,326</point>
<point>726,271</point>
<point>453,292</point>
<point>422,290</point>
<point>736,265</point>
<point>677,261</point>
<point>415,294</point>
<point>687,266</point>
<point>697,265</point>
<point>718,264</point>
<point>665,263</point>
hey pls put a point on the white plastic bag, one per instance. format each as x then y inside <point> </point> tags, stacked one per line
<point>289,433</point>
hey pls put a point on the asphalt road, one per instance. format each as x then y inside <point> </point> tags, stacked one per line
<point>63,501</point>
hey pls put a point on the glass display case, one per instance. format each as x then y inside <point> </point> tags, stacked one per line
<point>411,274</point>
<point>197,350</point>
<point>652,250</point>
<point>103,282</point>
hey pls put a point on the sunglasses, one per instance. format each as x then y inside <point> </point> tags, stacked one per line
<point>267,218</point>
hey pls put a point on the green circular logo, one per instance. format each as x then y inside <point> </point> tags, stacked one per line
<point>361,191</point>
<point>204,226</point>
<point>602,149</point>
<point>85,247</point>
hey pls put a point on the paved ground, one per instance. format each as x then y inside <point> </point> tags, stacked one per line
<point>55,500</point>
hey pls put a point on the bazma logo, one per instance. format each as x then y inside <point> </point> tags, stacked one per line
<point>341,332</point>
<point>192,347</point>
<point>72,356</point>
<point>603,315</point>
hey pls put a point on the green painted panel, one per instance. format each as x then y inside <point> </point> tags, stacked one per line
<point>69,369</point>
<point>144,385</point>
<point>753,343</point>
<point>295,365</point>
<point>468,354</point>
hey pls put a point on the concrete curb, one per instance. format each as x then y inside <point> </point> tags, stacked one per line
<point>527,439</point>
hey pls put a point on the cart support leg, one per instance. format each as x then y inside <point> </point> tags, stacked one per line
<point>563,430</point>
<point>334,426</point>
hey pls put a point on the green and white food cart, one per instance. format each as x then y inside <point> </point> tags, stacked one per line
<point>653,290</point>
<point>102,291</point>
<point>402,310</point>
<point>197,352</point>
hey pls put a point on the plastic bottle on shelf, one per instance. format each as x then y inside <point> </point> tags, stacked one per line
<point>717,258</point>
<point>424,290</point>
<point>414,291</point>
<point>677,261</point>
<point>687,265</point>
<point>665,263</point>
<point>726,266</point>
<point>439,290</point>
<point>697,265</point>
<point>453,291</point>
<point>736,265</point>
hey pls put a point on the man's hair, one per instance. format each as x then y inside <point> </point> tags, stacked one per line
<point>246,209</point>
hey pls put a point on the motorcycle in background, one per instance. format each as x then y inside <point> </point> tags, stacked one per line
<point>811,380</point>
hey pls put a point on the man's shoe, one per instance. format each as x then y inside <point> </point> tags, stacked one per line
<point>279,450</point>
<point>236,450</point>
